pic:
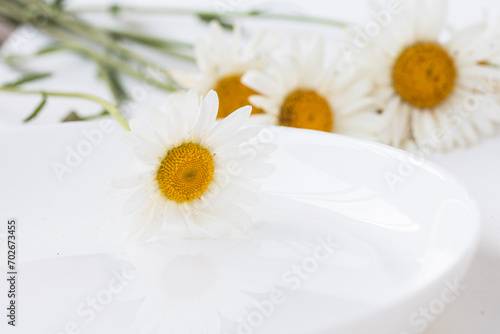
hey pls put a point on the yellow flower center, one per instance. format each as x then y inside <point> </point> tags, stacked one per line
<point>306,109</point>
<point>233,95</point>
<point>424,75</point>
<point>186,172</point>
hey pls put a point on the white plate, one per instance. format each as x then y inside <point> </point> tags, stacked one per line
<point>406,231</point>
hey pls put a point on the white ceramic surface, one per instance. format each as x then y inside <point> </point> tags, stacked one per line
<point>401,248</point>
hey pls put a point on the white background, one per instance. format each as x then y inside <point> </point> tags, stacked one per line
<point>478,309</point>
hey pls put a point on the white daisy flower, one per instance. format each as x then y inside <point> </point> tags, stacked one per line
<point>192,176</point>
<point>222,62</point>
<point>300,91</point>
<point>431,81</point>
<point>198,286</point>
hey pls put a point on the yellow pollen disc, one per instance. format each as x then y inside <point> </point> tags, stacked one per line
<point>306,109</point>
<point>186,172</point>
<point>233,95</point>
<point>424,75</point>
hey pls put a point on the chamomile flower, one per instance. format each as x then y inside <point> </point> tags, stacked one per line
<point>222,62</point>
<point>192,176</point>
<point>431,80</point>
<point>301,91</point>
<point>198,286</point>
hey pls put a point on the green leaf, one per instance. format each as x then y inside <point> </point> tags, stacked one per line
<point>255,13</point>
<point>146,39</point>
<point>215,17</point>
<point>59,4</point>
<point>50,49</point>
<point>74,117</point>
<point>115,10</point>
<point>112,79</point>
<point>28,78</point>
<point>37,110</point>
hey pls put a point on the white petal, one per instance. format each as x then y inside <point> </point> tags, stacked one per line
<point>191,109</point>
<point>228,125</point>
<point>239,195</point>
<point>150,153</point>
<point>155,223</point>
<point>130,139</point>
<point>258,171</point>
<point>208,114</point>
<point>232,140</point>
<point>142,130</point>
<point>176,125</point>
<point>135,202</point>
<point>132,179</point>
<point>229,213</point>
<point>262,119</point>
<point>160,125</point>
<point>259,82</point>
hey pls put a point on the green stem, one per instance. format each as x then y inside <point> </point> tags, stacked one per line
<point>95,116</point>
<point>203,13</point>
<point>179,55</point>
<point>111,79</point>
<point>167,46</point>
<point>147,39</point>
<point>67,25</point>
<point>103,37</point>
<point>121,66</point>
<point>105,104</point>
<point>115,63</point>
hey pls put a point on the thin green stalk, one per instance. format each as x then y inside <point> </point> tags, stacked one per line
<point>147,39</point>
<point>28,78</point>
<point>115,10</point>
<point>121,66</point>
<point>61,22</point>
<point>95,116</point>
<point>104,38</point>
<point>112,79</point>
<point>179,55</point>
<point>37,109</point>
<point>105,104</point>
<point>116,64</point>
<point>167,46</point>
